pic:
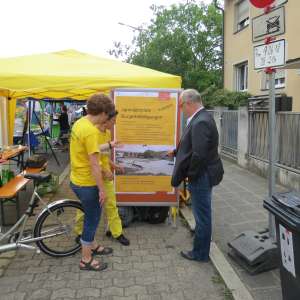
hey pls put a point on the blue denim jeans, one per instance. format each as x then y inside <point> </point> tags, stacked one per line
<point>89,198</point>
<point>201,191</point>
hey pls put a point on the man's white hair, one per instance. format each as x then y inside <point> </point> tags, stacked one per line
<point>191,95</point>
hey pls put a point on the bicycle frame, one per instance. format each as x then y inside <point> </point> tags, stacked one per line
<point>22,242</point>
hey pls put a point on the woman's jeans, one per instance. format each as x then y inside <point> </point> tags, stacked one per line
<point>201,191</point>
<point>89,198</point>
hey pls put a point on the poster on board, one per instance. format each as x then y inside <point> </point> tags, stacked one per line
<point>147,128</point>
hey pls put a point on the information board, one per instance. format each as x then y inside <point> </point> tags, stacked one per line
<point>147,128</point>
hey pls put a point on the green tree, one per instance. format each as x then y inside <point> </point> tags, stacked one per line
<point>183,39</point>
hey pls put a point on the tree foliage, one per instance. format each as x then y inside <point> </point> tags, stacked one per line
<point>183,39</point>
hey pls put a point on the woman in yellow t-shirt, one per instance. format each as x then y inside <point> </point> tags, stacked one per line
<point>86,176</point>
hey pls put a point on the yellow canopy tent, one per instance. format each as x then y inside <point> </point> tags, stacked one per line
<point>72,74</point>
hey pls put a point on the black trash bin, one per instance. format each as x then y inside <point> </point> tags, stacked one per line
<point>286,209</point>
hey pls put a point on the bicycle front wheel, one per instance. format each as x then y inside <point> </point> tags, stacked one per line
<point>59,225</point>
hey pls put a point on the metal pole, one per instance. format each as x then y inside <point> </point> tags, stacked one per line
<point>29,127</point>
<point>272,148</point>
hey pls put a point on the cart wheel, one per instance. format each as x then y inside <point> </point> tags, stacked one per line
<point>158,214</point>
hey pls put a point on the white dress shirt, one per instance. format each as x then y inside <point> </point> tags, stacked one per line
<point>192,116</point>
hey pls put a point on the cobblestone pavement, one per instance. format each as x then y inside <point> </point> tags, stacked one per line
<point>150,268</point>
<point>238,206</point>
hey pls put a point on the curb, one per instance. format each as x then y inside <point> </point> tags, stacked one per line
<point>6,257</point>
<point>231,279</point>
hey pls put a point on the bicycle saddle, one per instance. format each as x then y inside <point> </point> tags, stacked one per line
<point>40,177</point>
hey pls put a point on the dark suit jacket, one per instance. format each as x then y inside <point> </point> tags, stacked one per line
<point>197,151</point>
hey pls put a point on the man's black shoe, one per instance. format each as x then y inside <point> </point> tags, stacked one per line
<point>123,240</point>
<point>189,255</point>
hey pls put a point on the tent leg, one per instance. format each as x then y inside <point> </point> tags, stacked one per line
<point>47,141</point>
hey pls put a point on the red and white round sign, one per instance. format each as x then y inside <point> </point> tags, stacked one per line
<point>261,3</point>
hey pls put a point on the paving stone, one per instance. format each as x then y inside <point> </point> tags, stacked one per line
<point>101,283</point>
<point>13,296</point>
<point>123,282</point>
<point>135,290</point>
<point>157,288</point>
<point>4,263</point>
<point>54,284</point>
<point>146,279</point>
<point>63,293</point>
<point>145,266</point>
<point>123,298</point>
<point>173,296</point>
<point>88,292</point>
<point>40,294</point>
<point>149,297</point>
<point>122,267</point>
<point>37,270</point>
<point>9,254</point>
<point>112,291</point>
<point>78,284</point>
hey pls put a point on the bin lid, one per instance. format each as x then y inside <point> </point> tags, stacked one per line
<point>283,213</point>
<point>289,201</point>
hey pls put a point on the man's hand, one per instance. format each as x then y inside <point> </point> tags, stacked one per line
<point>102,197</point>
<point>107,174</point>
<point>116,144</point>
<point>119,169</point>
<point>171,153</point>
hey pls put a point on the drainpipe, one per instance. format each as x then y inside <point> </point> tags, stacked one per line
<point>223,42</point>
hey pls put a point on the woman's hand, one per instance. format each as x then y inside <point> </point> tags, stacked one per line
<point>102,197</point>
<point>116,144</point>
<point>107,174</point>
<point>120,169</point>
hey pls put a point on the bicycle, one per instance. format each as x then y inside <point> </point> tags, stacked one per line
<point>54,230</point>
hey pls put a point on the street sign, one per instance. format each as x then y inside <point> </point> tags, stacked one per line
<point>269,55</point>
<point>270,24</point>
<point>261,3</point>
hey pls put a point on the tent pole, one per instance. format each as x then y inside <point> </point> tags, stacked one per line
<point>47,141</point>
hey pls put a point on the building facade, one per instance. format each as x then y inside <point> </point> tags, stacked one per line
<point>239,73</point>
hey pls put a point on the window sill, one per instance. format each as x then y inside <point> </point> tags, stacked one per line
<point>239,30</point>
<point>276,88</point>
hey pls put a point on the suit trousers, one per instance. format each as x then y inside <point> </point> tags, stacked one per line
<point>201,192</point>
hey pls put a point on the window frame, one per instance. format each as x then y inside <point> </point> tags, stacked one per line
<point>237,74</point>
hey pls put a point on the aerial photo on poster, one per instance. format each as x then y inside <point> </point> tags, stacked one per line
<point>145,159</point>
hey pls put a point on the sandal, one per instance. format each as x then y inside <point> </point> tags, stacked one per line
<point>89,267</point>
<point>104,251</point>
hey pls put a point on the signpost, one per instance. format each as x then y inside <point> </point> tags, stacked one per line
<point>270,24</point>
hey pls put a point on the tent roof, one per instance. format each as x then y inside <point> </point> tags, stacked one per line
<point>75,75</point>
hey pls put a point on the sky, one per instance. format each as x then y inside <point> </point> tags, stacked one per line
<point>91,26</point>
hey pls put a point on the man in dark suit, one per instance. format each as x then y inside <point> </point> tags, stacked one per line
<point>198,160</point>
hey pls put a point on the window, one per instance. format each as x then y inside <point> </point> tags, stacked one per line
<point>241,73</point>
<point>279,80</point>
<point>241,14</point>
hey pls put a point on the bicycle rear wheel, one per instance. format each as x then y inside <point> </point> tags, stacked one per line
<point>60,228</point>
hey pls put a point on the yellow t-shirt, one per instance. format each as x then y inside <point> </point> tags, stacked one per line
<point>84,142</point>
<point>104,138</point>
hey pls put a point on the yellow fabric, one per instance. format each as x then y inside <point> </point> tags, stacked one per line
<point>72,74</point>
<point>104,138</point>
<point>84,142</point>
<point>111,211</point>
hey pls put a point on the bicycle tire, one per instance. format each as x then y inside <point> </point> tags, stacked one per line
<point>58,211</point>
